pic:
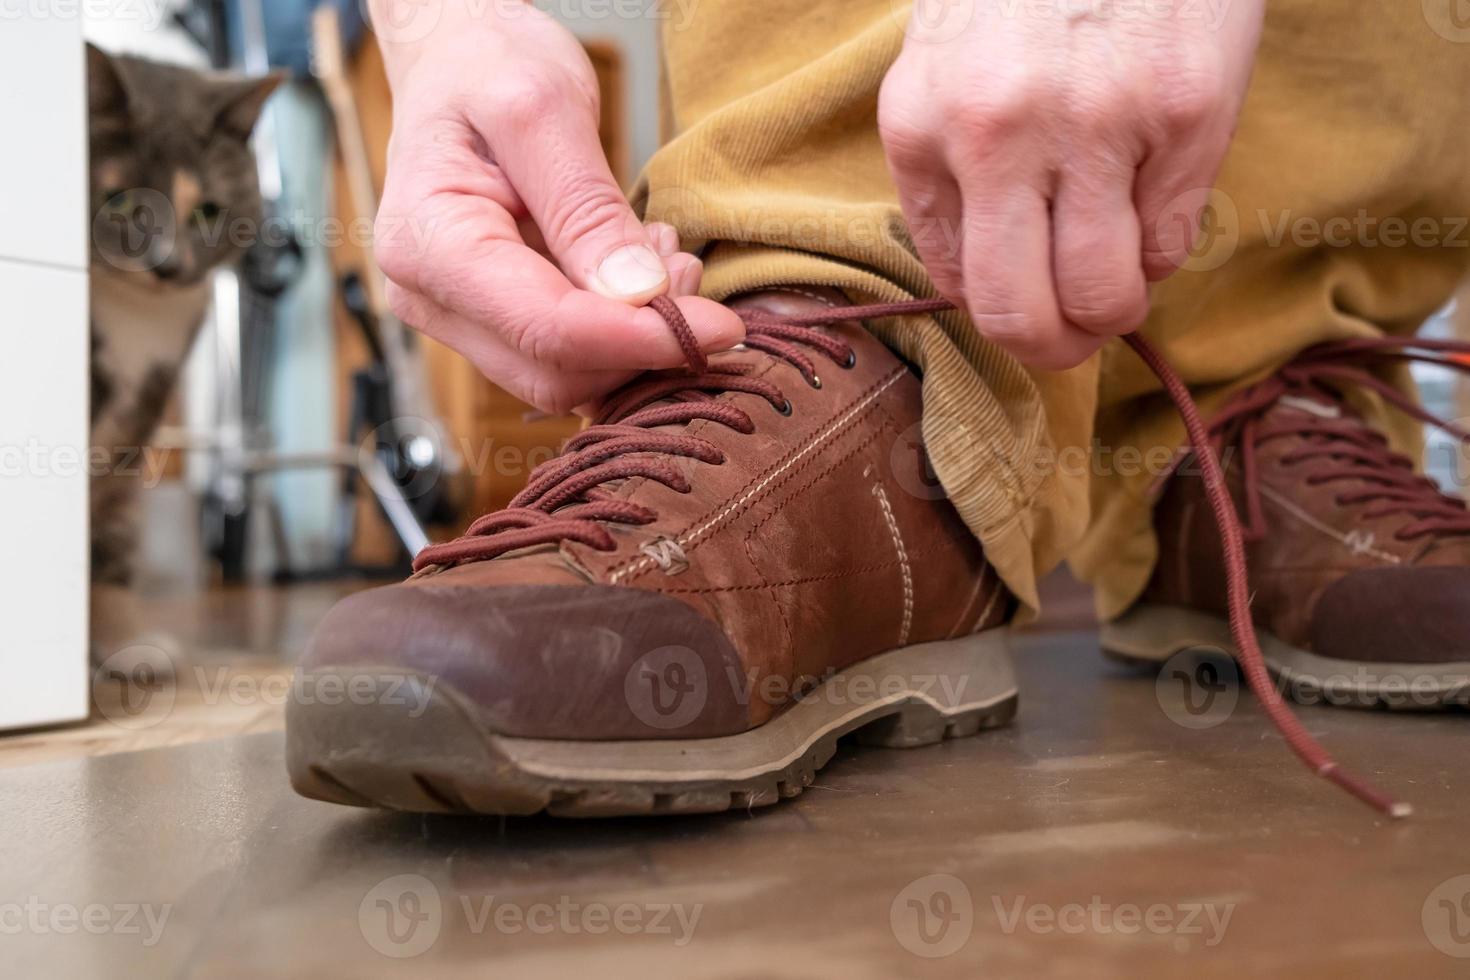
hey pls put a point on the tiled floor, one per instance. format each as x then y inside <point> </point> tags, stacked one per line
<point>1097,838</point>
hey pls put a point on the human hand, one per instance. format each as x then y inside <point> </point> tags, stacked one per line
<point>502,232</point>
<point>1051,163</point>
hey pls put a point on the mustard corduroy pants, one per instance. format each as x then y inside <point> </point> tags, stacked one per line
<point>1335,215</point>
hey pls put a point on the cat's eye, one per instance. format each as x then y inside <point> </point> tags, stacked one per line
<point>207,211</point>
<point>119,198</point>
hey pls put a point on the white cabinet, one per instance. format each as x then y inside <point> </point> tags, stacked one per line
<point>43,494</point>
<point>43,368</point>
<point>43,175</point>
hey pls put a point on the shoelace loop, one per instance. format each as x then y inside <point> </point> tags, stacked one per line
<point>564,499</point>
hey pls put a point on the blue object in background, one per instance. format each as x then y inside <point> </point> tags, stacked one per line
<point>288,30</point>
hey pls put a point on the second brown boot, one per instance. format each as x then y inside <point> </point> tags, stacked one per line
<point>1359,565</point>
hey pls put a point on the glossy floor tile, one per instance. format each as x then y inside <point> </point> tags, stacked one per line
<point>1099,837</point>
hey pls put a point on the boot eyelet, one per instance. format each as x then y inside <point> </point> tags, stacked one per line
<point>851,361</point>
<point>815,381</point>
<point>785,407</point>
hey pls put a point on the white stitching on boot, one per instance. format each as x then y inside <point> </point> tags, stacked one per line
<point>903,560</point>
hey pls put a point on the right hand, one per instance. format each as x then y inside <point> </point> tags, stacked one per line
<point>502,231</point>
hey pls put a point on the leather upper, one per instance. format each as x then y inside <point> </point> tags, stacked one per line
<point>1326,577</point>
<point>821,540</point>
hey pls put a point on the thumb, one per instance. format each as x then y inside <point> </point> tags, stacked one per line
<point>563,178</point>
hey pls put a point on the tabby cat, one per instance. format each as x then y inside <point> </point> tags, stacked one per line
<point>173,196</point>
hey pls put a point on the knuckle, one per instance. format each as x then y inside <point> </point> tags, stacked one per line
<point>585,205</point>
<point>532,340</point>
<point>1001,104</point>
<point>987,125</point>
<point>401,303</point>
<point>548,394</point>
<point>1189,94</point>
<point>528,96</point>
<point>901,118</point>
<point>542,346</point>
<point>1099,304</point>
<point>906,141</point>
<point>399,262</point>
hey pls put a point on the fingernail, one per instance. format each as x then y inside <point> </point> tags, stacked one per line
<point>632,272</point>
<point>686,283</point>
<point>665,238</point>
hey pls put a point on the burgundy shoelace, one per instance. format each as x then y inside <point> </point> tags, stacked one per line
<point>1348,449</point>
<point>563,500</point>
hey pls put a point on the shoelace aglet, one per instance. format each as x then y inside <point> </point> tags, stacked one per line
<point>1386,805</point>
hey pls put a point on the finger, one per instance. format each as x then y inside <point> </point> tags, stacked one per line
<point>665,238</point>
<point>934,210</point>
<point>932,206</point>
<point>1096,250</point>
<point>554,159</point>
<point>472,262</point>
<point>547,389</point>
<point>685,272</point>
<point>1009,289</point>
<point>538,314</point>
<point>1171,196</point>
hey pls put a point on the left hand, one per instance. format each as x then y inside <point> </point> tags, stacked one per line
<point>1052,162</point>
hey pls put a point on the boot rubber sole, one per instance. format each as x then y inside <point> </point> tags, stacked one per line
<point>1151,633</point>
<point>429,752</point>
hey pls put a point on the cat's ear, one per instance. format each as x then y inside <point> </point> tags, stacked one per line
<point>241,101</point>
<point>106,93</point>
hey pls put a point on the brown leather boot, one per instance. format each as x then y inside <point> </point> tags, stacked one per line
<point>1360,566</point>
<point>683,612</point>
